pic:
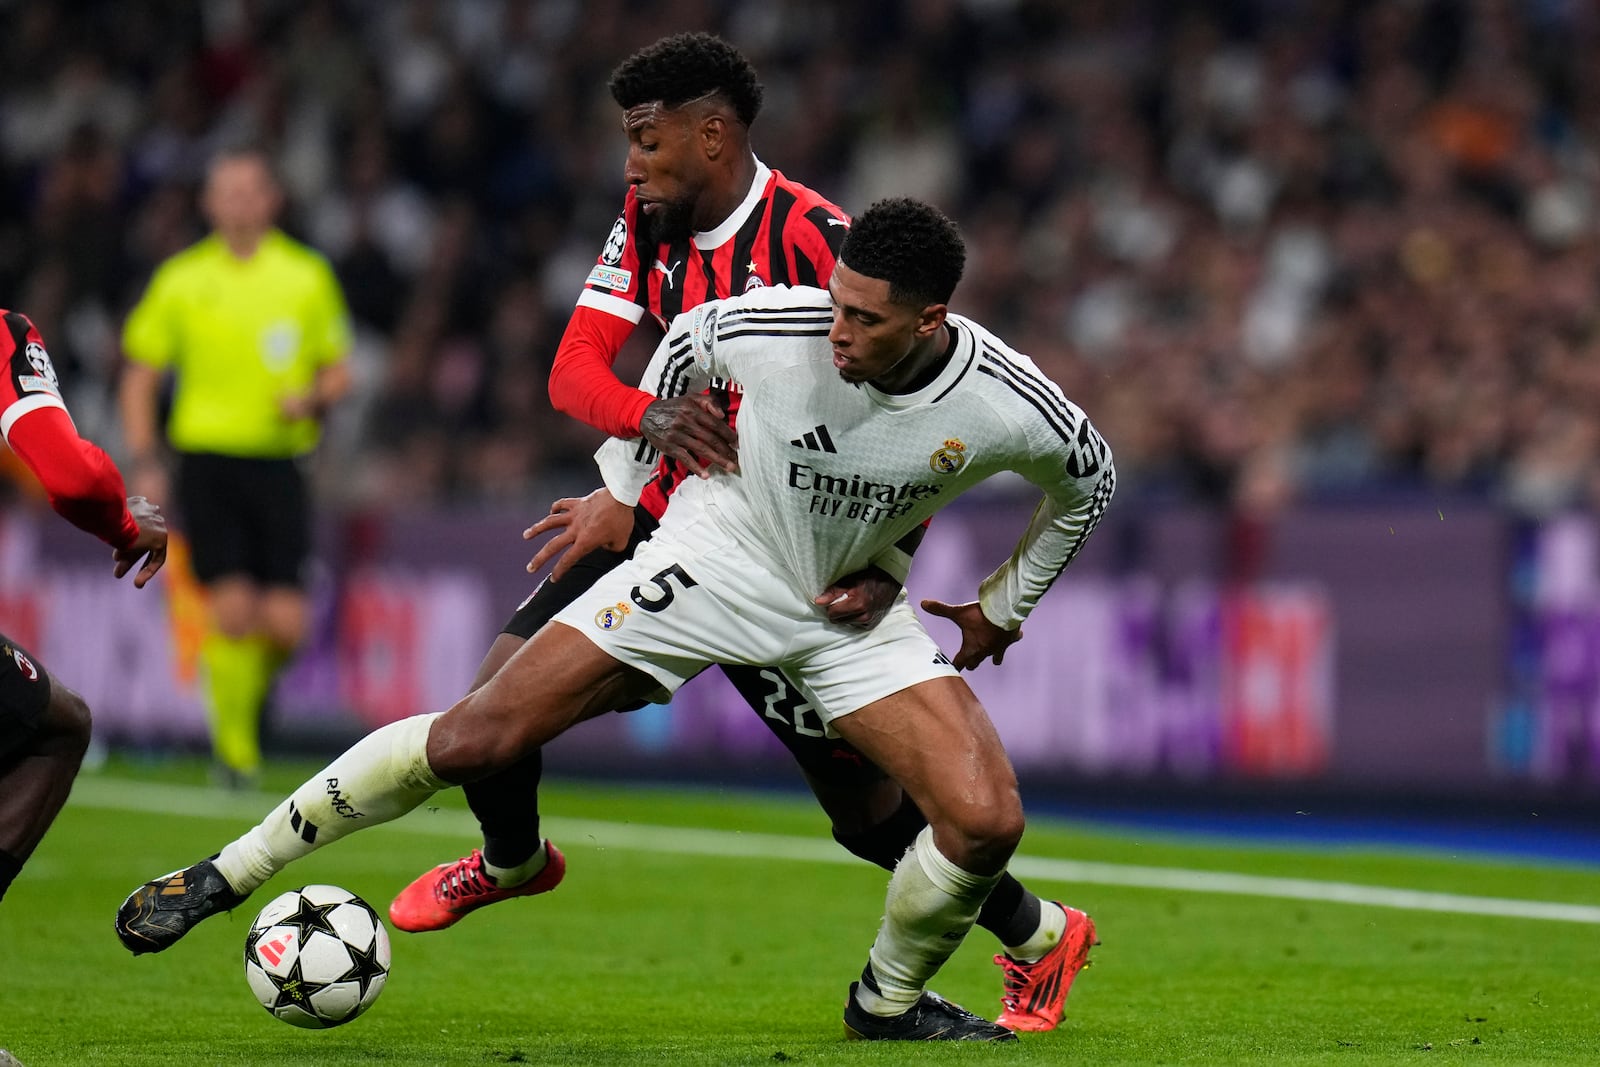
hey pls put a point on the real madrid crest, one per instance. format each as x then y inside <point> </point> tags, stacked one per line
<point>610,618</point>
<point>950,458</point>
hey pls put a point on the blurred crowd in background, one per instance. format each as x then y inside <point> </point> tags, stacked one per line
<point>1279,250</point>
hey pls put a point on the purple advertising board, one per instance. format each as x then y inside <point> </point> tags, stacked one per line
<point>1360,647</point>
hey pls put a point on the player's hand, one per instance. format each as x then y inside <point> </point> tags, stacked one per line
<point>150,546</point>
<point>980,638</point>
<point>692,430</point>
<point>860,600</point>
<point>593,522</point>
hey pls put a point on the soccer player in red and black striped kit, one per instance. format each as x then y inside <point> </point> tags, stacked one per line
<point>44,726</point>
<point>704,218</point>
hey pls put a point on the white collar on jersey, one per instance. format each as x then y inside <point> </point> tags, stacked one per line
<point>715,238</point>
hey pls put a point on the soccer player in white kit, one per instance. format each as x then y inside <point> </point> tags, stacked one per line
<point>866,408</point>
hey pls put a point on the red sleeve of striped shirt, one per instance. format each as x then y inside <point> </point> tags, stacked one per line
<point>83,484</point>
<point>582,383</point>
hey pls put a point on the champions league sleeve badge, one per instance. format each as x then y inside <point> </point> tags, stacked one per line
<point>616,241</point>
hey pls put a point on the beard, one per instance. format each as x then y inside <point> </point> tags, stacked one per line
<point>669,223</point>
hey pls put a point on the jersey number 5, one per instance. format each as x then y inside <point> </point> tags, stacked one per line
<point>660,581</point>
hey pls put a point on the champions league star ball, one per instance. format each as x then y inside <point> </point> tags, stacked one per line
<point>317,956</point>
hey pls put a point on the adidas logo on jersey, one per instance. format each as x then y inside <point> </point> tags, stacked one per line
<point>816,440</point>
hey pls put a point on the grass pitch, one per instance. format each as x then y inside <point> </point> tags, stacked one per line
<point>710,928</point>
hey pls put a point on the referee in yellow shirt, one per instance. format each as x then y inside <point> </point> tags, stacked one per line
<point>254,329</point>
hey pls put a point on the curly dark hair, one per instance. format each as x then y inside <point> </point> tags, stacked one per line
<point>909,244</point>
<point>686,66</point>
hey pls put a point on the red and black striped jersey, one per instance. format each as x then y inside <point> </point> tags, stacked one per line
<point>782,234</point>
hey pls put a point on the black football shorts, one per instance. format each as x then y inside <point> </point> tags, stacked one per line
<point>24,696</point>
<point>245,516</point>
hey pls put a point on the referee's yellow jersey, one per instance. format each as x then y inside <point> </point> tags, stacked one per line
<point>239,335</point>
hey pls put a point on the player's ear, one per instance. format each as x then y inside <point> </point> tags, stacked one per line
<point>930,318</point>
<point>714,135</point>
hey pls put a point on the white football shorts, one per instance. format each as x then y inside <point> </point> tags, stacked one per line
<point>694,598</point>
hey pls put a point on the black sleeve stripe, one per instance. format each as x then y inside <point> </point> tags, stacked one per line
<point>805,271</point>
<point>671,382</point>
<point>808,313</point>
<point>1086,448</point>
<point>800,315</point>
<point>1097,507</point>
<point>830,226</point>
<point>783,202</point>
<point>675,378</point>
<point>17,325</point>
<point>1030,379</point>
<point>645,254</point>
<point>680,360</point>
<point>772,331</point>
<point>832,234</point>
<point>1063,424</point>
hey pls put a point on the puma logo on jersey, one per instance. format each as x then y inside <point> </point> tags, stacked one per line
<point>816,440</point>
<point>668,271</point>
<point>837,222</point>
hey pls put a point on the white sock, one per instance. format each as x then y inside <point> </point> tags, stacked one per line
<point>1052,925</point>
<point>381,777</point>
<point>932,904</point>
<point>508,877</point>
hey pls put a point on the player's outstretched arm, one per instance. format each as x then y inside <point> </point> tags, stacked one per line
<point>148,547</point>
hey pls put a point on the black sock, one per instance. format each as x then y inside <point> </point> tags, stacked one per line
<point>1011,913</point>
<point>507,806</point>
<point>886,842</point>
<point>9,866</point>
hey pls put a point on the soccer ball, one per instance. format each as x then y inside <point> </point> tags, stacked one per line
<point>317,956</point>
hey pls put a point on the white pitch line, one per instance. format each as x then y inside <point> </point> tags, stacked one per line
<point>203,803</point>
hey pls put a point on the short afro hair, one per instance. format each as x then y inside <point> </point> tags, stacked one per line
<point>684,67</point>
<point>911,245</point>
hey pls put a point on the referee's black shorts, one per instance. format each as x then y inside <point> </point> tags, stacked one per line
<point>24,696</point>
<point>245,516</point>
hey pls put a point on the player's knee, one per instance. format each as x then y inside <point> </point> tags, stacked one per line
<point>986,832</point>
<point>464,747</point>
<point>68,723</point>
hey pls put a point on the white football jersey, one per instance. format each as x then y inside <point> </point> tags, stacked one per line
<point>833,474</point>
